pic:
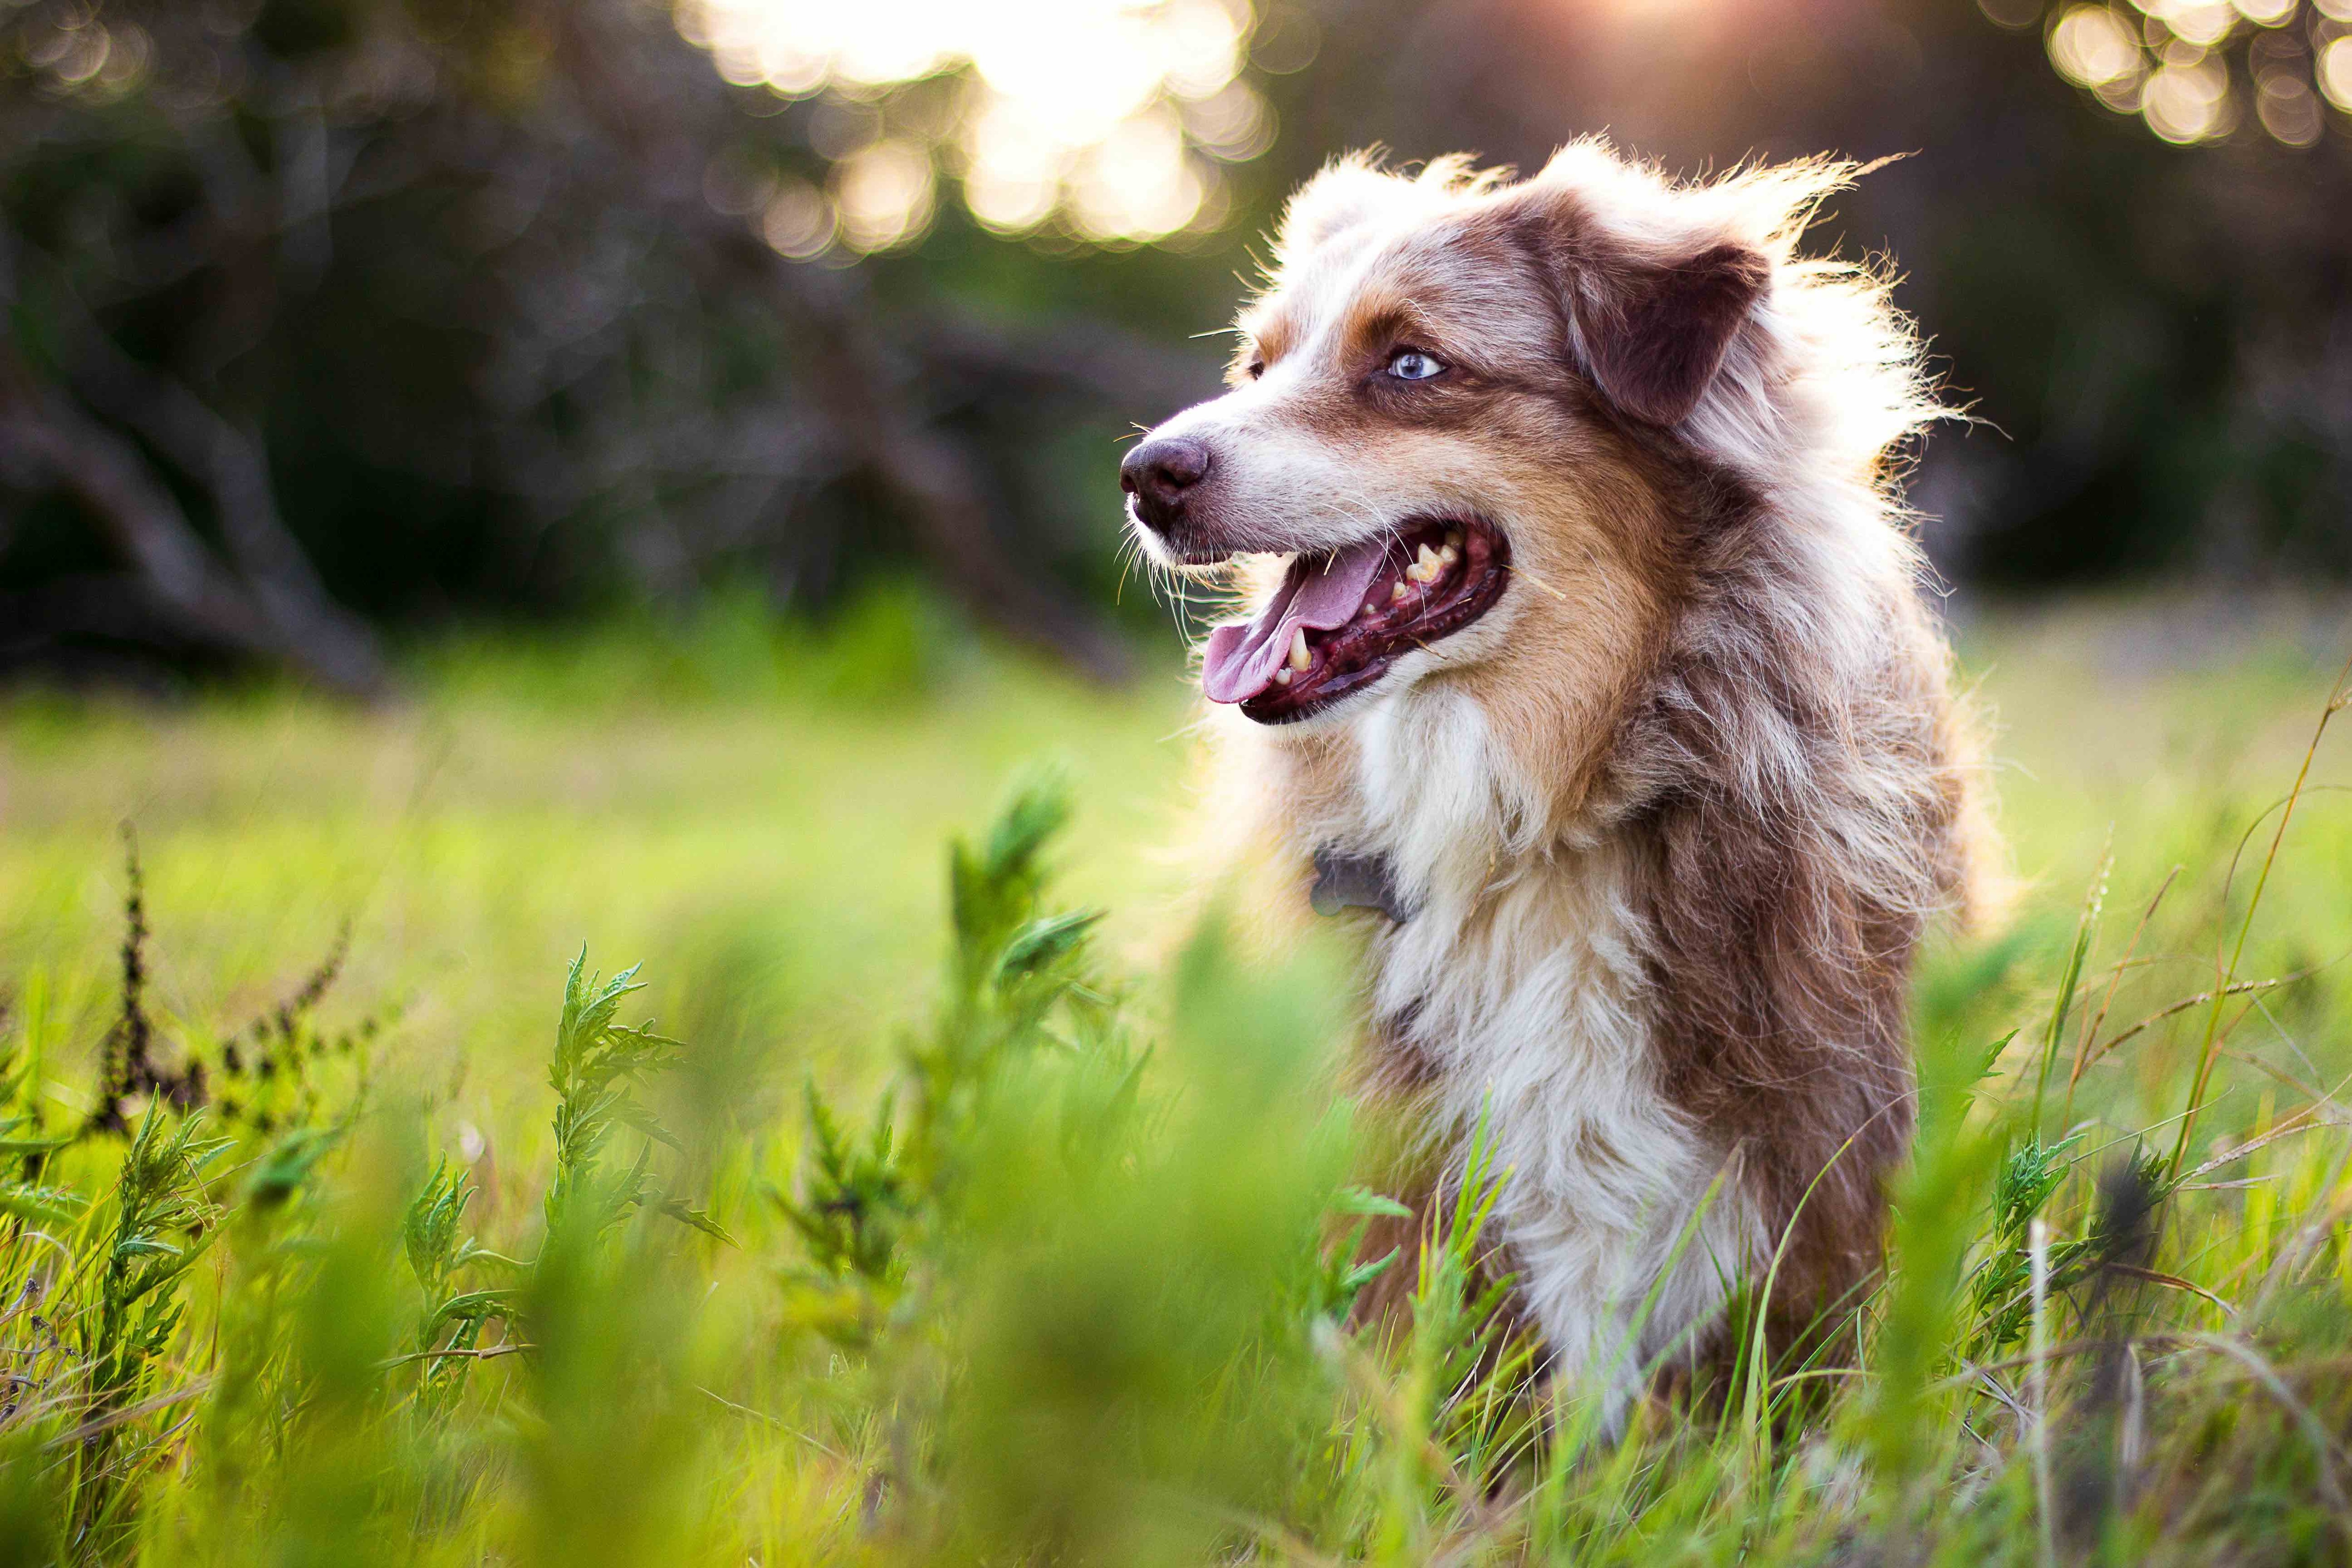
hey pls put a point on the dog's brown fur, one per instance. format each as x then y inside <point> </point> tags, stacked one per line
<point>1678,811</point>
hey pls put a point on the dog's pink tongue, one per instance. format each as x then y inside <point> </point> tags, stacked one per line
<point>1319,592</point>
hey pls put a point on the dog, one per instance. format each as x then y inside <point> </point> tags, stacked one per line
<point>1588,667</point>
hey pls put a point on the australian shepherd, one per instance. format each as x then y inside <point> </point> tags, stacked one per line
<point>1585,668</point>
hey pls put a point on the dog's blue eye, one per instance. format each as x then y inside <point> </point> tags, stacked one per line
<point>1411,364</point>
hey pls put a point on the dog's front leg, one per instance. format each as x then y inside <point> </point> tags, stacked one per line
<point>1623,1283</point>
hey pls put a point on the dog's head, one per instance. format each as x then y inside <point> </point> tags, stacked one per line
<point>1457,428</point>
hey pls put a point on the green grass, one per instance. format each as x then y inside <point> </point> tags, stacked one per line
<point>655,791</point>
<point>967,1230</point>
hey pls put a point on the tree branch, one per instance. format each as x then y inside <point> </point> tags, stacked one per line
<point>139,518</point>
<point>280,587</point>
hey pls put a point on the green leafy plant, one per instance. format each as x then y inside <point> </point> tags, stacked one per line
<point>598,1067</point>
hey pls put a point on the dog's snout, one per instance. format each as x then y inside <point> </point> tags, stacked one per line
<point>1159,472</point>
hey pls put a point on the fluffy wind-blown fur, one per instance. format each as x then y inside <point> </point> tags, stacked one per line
<point>1670,818</point>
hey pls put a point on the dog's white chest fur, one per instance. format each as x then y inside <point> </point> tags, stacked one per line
<point>1520,978</point>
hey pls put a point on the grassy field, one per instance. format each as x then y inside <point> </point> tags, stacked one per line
<point>976,1344</point>
<point>727,806</point>
<point>778,841</point>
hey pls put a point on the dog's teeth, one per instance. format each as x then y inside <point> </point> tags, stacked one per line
<point>1282,677</point>
<point>1453,538</point>
<point>1396,593</point>
<point>1372,606</point>
<point>1427,561</point>
<point>1300,655</point>
<point>1449,556</point>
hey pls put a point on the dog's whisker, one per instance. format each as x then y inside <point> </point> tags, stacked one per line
<point>1128,552</point>
<point>1516,570</point>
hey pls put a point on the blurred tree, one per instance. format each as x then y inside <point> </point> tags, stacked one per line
<point>444,305</point>
<point>332,315</point>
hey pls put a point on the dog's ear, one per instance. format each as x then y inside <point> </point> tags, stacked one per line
<point>1653,336</point>
<point>1652,333</point>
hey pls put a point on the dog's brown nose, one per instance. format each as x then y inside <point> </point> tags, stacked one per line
<point>1158,473</point>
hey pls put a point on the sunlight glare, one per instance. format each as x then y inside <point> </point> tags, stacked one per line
<point>1099,109</point>
<point>1137,181</point>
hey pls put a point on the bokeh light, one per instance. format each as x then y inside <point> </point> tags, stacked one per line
<point>2203,23</point>
<point>2169,62</point>
<point>798,220</point>
<point>2187,103</point>
<point>2289,110</point>
<point>2014,15</point>
<point>1106,118</point>
<point>2335,73</point>
<point>2091,47</point>
<point>884,193</point>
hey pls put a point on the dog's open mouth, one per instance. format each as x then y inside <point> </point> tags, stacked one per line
<point>1340,620</point>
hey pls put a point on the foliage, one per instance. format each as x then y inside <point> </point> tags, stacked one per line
<point>1075,1284</point>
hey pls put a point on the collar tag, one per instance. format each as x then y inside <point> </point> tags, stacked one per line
<point>1354,882</point>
